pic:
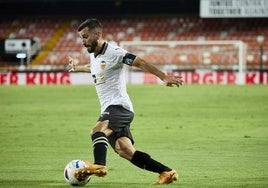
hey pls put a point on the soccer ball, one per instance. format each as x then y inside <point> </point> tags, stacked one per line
<point>69,170</point>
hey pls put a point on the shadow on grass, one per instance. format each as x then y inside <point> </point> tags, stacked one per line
<point>58,184</point>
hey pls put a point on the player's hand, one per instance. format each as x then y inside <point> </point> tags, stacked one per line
<point>173,80</point>
<point>72,64</point>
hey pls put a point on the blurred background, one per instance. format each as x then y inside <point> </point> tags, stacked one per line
<point>38,35</point>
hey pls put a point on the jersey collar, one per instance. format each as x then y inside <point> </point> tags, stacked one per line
<point>103,49</point>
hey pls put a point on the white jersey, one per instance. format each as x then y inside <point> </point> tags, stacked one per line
<point>109,77</point>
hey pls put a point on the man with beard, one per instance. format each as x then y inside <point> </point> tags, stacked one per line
<point>113,126</point>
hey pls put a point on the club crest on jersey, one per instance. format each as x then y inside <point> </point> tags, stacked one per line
<point>102,65</point>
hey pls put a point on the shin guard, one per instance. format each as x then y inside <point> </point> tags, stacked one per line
<point>144,161</point>
<point>100,145</point>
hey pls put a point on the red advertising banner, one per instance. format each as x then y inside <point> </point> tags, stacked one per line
<point>203,77</point>
<point>35,78</point>
<point>66,78</point>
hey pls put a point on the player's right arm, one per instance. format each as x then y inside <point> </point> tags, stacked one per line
<point>149,67</point>
<point>75,67</point>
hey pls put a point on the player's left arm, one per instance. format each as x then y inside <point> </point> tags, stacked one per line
<point>148,67</point>
<point>75,67</point>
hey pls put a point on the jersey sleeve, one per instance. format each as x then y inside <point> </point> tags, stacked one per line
<point>120,55</point>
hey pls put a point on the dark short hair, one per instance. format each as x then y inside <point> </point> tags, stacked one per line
<point>90,24</point>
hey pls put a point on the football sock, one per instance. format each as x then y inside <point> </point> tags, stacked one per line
<point>100,144</point>
<point>144,161</point>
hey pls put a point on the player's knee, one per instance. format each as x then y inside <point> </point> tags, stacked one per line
<point>121,150</point>
<point>124,148</point>
<point>100,126</point>
<point>93,130</point>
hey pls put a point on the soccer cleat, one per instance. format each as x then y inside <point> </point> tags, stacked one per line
<point>167,177</point>
<point>92,169</point>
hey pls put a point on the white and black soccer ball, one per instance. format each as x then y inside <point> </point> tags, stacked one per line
<point>69,170</point>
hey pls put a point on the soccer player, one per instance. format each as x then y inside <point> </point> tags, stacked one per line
<point>113,126</point>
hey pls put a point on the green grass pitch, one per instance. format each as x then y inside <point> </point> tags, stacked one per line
<point>215,136</point>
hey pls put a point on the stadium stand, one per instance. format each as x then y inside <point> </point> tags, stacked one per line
<point>58,37</point>
<point>172,28</point>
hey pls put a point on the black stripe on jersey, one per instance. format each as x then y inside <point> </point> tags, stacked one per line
<point>129,59</point>
<point>103,49</point>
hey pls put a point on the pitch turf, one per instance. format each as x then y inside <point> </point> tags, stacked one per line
<point>215,136</point>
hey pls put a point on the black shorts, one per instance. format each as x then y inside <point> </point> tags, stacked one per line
<point>119,121</point>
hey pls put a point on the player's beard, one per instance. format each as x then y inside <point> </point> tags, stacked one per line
<point>94,45</point>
